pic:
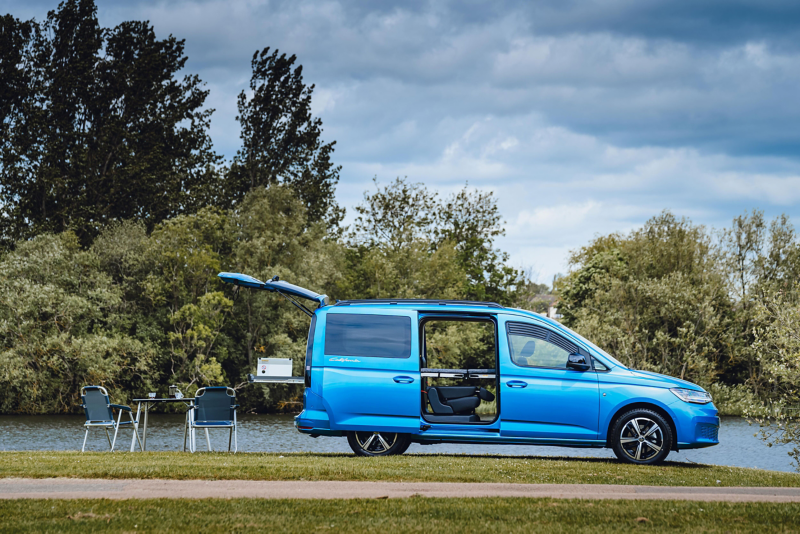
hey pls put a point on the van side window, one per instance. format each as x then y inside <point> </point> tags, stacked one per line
<point>375,336</point>
<point>534,346</point>
<point>310,343</point>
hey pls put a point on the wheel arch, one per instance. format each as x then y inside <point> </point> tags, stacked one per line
<point>647,406</point>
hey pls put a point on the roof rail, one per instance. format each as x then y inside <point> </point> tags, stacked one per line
<point>420,301</point>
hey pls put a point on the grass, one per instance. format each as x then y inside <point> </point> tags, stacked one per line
<point>408,468</point>
<point>394,515</point>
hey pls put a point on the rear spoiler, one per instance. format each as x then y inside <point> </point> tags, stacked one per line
<point>288,291</point>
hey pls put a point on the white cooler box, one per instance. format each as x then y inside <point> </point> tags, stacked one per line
<point>274,367</point>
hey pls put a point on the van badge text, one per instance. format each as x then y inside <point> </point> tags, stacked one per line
<point>344,360</point>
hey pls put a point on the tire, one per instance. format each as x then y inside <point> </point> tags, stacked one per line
<point>641,436</point>
<point>378,443</point>
<point>404,448</point>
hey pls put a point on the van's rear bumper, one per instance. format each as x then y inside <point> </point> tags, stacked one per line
<point>315,423</point>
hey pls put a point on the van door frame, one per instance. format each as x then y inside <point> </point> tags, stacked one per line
<point>428,316</point>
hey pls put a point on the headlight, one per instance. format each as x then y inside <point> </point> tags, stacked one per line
<point>691,395</point>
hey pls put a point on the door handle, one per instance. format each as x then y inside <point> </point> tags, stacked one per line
<point>403,379</point>
<point>516,384</point>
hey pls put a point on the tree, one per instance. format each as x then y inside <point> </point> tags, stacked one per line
<point>271,239</point>
<point>97,125</point>
<point>656,299</point>
<point>777,343</point>
<point>402,216</point>
<point>759,261</point>
<point>395,215</point>
<point>272,236</point>
<point>185,255</point>
<point>60,329</point>
<point>743,248</point>
<point>281,140</point>
<point>472,220</point>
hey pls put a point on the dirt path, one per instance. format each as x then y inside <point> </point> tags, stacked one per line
<point>72,488</point>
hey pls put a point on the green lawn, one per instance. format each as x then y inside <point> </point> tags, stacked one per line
<point>394,515</point>
<point>411,467</point>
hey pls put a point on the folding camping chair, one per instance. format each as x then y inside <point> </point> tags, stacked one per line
<point>214,407</point>
<point>99,413</point>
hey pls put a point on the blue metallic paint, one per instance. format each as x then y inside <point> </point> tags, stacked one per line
<point>364,395</point>
<point>550,404</point>
<point>245,280</point>
<point>361,393</point>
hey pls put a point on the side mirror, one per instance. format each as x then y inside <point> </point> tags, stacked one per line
<point>578,362</point>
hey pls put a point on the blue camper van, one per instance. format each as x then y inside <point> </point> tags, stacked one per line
<point>369,376</point>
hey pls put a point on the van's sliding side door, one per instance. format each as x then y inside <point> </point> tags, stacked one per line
<point>371,378</point>
<point>540,396</point>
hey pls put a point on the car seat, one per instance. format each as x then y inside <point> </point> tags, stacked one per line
<point>457,400</point>
<point>527,351</point>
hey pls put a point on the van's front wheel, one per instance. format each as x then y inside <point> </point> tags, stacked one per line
<point>641,436</point>
<point>377,443</point>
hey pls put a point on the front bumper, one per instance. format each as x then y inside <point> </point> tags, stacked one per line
<point>697,425</point>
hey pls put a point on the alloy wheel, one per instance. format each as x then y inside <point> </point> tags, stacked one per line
<point>376,442</point>
<point>641,439</point>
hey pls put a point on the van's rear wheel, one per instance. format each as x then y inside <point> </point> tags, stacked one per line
<point>641,437</point>
<point>377,443</point>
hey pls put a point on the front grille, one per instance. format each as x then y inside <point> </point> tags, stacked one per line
<point>710,432</point>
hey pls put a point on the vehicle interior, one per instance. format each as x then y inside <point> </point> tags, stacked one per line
<point>458,362</point>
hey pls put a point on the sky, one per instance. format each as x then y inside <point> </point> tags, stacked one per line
<point>583,117</point>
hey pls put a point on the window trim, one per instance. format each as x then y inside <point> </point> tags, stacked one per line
<point>580,350</point>
<point>595,369</point>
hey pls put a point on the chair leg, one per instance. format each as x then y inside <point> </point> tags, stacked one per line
<point>84,439</point>
<point>116,430</point>
<point>208,441</point>
<point>108,437</point>
<point>230,436</point>
<point>235,438</point>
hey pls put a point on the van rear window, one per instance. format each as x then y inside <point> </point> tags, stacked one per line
<point>375,336</point>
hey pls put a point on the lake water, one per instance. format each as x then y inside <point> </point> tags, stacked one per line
<point>276,433</point>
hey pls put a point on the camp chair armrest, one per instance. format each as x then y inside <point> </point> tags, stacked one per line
<point>235,406</point>
<point>121,407</point>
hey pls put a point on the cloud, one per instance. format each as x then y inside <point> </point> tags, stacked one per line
<point>559,189</point>
<point>583,117</point>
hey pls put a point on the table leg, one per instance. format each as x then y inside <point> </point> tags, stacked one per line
<point>144,431</point>
<point>136,427</point>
